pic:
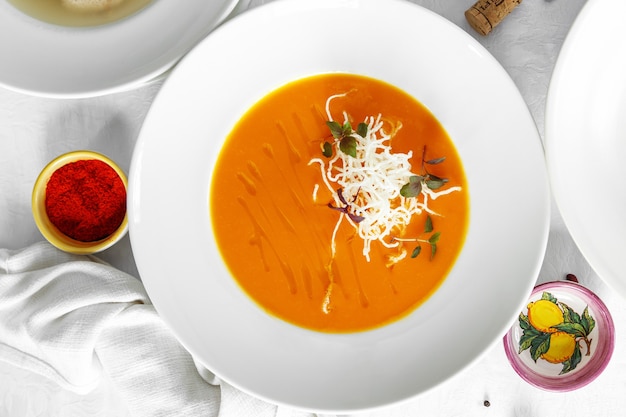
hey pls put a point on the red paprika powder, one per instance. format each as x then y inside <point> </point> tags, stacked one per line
<point>86,200</point>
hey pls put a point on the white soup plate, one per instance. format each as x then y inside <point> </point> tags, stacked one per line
<point>171,233</point>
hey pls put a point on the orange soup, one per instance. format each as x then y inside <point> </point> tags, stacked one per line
<point>339,203</point>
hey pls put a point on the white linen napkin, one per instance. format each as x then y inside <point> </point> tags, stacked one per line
<point>70,318</point>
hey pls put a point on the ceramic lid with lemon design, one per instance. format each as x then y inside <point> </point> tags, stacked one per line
<point>563,340</point>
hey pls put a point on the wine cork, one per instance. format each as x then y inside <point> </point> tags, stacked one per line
<point>486,14</point>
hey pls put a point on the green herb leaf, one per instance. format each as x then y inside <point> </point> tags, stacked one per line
<point>346,129</point>
<point>335,129</point>
<point>428,227</point>
<point>361,129</point>
<point>327,150</point>
<point>435,161</point>
<point>433,250</point>
<point>433,182</point>
<point>348,146</point>
<point>416,252</point>
<point>413,188</point>
<point>434,238</point>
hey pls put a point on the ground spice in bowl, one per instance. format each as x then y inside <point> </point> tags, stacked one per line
<point>86,200</point>
<point>79,202</point>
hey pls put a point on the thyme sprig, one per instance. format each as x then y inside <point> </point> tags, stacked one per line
<point>430,241</point>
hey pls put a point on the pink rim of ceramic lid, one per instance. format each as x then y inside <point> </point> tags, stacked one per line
<point>545,375</point>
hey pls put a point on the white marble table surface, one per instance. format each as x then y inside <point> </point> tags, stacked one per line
<point>33,130</point>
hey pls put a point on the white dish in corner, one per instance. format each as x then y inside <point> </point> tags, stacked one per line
<point>586,137</point>
<point>67,62</point>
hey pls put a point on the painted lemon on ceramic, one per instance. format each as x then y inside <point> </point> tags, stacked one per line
<point>554,332</point>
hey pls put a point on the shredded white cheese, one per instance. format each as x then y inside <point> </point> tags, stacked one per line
<point>371,183</point>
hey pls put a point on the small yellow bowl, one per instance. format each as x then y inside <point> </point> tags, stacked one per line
<point>49,230</point>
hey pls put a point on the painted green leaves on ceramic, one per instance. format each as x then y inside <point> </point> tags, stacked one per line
<point>571,333</point>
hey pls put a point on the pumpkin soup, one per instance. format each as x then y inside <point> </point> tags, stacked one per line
<point>339,203</point>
